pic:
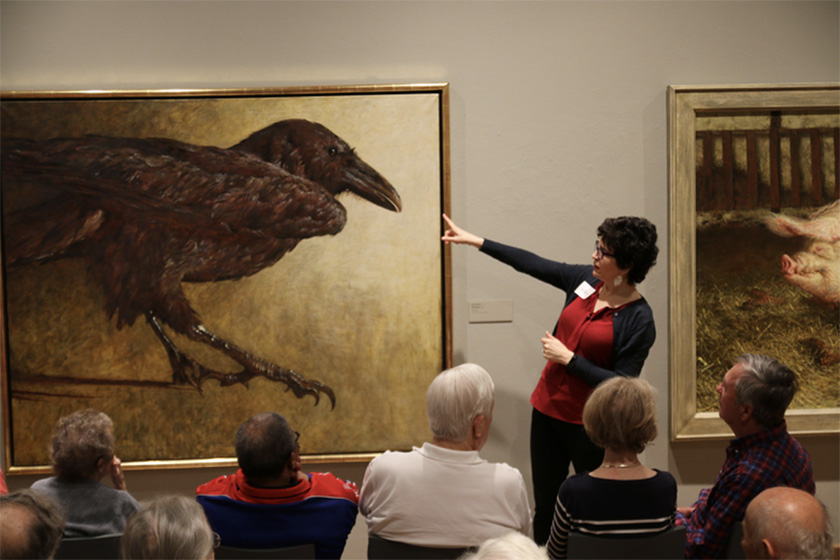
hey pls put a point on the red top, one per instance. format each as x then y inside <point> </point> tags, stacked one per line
<point>587,333</point>
<point>319,484</point>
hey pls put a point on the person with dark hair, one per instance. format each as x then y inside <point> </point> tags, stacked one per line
<point>622,496</point>
<point>31,525</point>
<point>605,329</point>
<point>82,453</point>
<point>753,398</point>
<point>269,502</point>
<point>172,527</point>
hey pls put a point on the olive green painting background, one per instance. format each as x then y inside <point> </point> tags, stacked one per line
<point>361,311</point>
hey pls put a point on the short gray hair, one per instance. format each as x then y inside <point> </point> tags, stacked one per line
<point>767,385</point>
<point>770,519</point>
<point>813,545</point>
<point>41,535</point>
<point>455,397</point>
<point>168,527</point>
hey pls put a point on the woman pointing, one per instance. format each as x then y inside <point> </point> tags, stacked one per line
<point>605,329</point>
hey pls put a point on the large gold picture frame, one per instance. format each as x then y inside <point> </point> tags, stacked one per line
<point>365,311</point>
<point>688,106</point>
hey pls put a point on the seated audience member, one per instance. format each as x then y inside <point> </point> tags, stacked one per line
<point>168,527</point>
<point>270,503</point>
<point>82,453</point>
<point>621,496</point>
<point>510,546</point>
<point>785,522</point>
<point>31,525</point>
<point>444,494</point>
<point>753,398</point>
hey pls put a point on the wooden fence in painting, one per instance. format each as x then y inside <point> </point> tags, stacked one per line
<point>770,168</point>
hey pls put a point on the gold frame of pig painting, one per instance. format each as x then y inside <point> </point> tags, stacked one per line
<point>740,157</point>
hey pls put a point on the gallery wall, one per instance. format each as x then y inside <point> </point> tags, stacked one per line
<point>558,119</point>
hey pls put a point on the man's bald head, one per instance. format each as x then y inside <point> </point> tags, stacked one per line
<point>784,522</point>
<point>31,525</point>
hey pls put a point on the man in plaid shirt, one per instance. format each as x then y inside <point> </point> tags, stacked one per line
<point>754,395</point>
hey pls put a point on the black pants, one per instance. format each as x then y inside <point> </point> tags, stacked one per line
<point>554,445</point>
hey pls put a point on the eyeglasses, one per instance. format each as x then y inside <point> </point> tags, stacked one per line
<point>600,253</point>
<point>297,437</point>
<point>217,540</point>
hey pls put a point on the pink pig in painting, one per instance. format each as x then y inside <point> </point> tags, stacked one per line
<point>815,269</point>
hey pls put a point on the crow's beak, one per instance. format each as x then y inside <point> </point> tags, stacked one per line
<point>366,182</point>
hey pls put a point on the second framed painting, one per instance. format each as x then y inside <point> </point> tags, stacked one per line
<point>182,260</point>
<point>754,246</point>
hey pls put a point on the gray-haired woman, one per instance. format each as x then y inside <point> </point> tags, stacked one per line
<point>82,453</point>
<point>172,527</point>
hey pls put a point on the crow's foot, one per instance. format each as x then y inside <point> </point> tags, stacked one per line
<point>186,371</point>
<point>294,381</point>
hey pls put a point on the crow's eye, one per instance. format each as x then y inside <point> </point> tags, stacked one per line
<point>332,150</point>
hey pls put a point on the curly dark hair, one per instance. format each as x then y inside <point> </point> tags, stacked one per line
<point>633,242</point>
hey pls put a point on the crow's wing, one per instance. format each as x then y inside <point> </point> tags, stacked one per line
<point>196,186</point>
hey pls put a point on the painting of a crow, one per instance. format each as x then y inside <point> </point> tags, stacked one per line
<point>146,214</point>
<point>143,297</point>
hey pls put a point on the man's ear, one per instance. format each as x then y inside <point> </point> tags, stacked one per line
<point>294,464</point>
<point>746,412</point>
<point>767,548</point>
<point>478,426</point>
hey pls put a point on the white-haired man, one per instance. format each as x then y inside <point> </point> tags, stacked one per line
<point>444,494</point>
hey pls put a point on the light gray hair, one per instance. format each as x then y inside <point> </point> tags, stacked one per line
<point>455,397</point>
<point>509,546</point>
<point>168,527</point>
<point>815,545</point>
<point>767,385</point>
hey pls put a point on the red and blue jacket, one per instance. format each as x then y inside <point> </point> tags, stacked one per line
<point>320,510</point>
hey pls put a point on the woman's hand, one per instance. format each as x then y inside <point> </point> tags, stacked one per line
<point>115,470</point>
<point>555,351</point>
<point>459,236</point>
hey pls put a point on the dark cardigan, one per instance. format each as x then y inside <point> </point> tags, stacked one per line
<point>633,328</point>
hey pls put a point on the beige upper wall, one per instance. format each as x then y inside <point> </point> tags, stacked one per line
<point>558,120</point>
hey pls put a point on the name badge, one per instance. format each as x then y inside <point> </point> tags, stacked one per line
<point>584,290</point>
